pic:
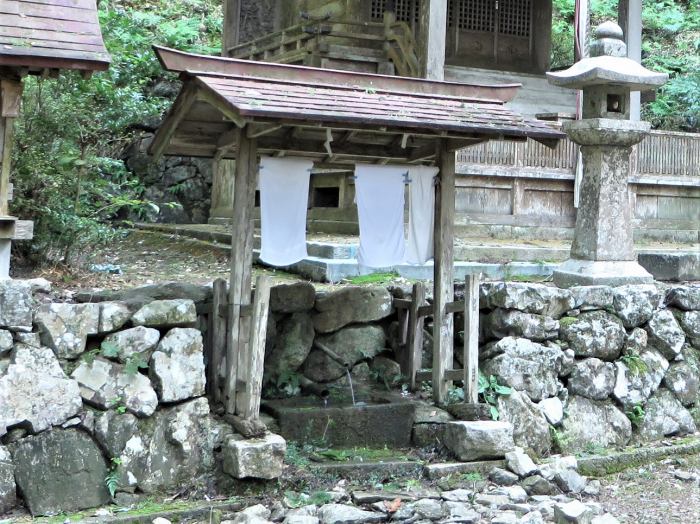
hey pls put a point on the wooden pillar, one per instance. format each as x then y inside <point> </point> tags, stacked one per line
<point>414,346</point>
<point>222,189</point>
<point>629,17</point>
<point>432,36</point>
<point>241,262</point>
<point>10,98</point>
<point>443,278</point>
<point>232,22</point>
<point>470,356</point>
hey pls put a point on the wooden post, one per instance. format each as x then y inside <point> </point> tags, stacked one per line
<point>250,372</point>
<point>630,20</point>
<point>218,326</point>
<point>414,347</point>
<point>10,97</point>
<point>471,339</point>
<point>432,38</point>
<point>443,324</point>
<point>232,22</point>
<point>241,261</point>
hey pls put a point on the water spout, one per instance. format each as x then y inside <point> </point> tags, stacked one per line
<point>352,390</point>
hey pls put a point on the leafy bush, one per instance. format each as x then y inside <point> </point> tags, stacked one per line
<point>67,173</point>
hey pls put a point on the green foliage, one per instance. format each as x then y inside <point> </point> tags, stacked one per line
<point>490,390</point>
<point>89,356</point>
<point>670,43</point>
<point>636,415</point>
<point>567,321</point>
<point>635,364</point>
<point>109,349</point>
<point>112,478</point>
<point>296,500</point>
<point>373,278</point>
<point>134,363</point>
<point>67,173</point>
<point>559,439</point>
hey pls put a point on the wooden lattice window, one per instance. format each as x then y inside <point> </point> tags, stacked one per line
<point>475,15</point>
<point>514,17</point>
<point>406,10</point>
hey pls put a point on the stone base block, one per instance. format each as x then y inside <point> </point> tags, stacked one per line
<point>593,273</point>
<point>480,439</point>
<point>260,458</point>
<point>677,267</point>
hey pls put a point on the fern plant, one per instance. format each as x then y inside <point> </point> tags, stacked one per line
<point>112,478</point>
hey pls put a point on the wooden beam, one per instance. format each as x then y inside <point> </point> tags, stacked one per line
<point>432,38</point>
<point>245,182</point>
<point>471,339</point>
<point>10,97</point>
<point>348,149</point>
<point>250,374</point>
<point>7,129</point>
<point>176,115</point>
<point>443,280</point>
<point>414,345</point>
<point>215,100</point>
<point>231,29</point>
<point>217,341</point>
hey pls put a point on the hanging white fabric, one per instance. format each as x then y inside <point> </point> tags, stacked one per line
<point>421,214</point>
<point>379,192</point>
<point>284,197</point>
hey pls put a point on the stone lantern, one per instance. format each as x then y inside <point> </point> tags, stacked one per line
<point>603,251</point>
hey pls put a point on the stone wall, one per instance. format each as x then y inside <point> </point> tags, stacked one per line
<point>110,389</point>
<point>113,385</point>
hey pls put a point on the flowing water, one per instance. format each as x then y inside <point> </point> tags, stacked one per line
<point>352,390</point>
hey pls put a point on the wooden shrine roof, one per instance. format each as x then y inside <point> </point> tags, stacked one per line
<point>51,34</point>
<point>342,116</point>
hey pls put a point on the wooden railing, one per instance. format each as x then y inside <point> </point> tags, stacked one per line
<point>662,153</point>
<point>295,43</point>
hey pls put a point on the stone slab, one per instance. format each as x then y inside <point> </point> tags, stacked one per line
<point>677,267</point>
<point>598,273</point>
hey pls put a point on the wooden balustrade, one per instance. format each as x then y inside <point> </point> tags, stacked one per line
<point>662,153</point>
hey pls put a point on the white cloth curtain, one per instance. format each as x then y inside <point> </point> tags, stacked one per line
<point>421,214</point>
<point>284,197</point>
<point>379,192</point>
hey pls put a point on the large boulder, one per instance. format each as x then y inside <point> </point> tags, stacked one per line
<point>594,334</point>
<point>177,365</point>
<point>8,488</point>
<point>16,305</point>
<point>636,380</point>
<point>587,298</point>
<point>113,316</point>
<point>65,327</point>
<point>690,322</point>
<point>350,305</point>
<point>683,377</point>
<point>138,340</point>
<point>60,471</point>
<point>261,458</point>
<point>295,336</point>
<point>106,385</point>
<point>292,298</point>
<point>479,440</point>
<point>513,323</point>
<point>593,422</point>
<point>686,298</point>
<point>530,428</point>
<point>113,430</point>
<point>664,416</point>
<point>171,448</point>
<point>35,391</point>
<point>530,298</point>
<point>636,303</point>
<point>345,514</point>
<point>592,378</point>
<point>352,344</point>
<point>665,334</point>
<point>526,366</point>
<point>166,313</point>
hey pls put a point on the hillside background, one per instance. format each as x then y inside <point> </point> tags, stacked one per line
<point>69,172</point>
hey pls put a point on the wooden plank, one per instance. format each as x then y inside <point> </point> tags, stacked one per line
<point>10,98</point>
<point>241,261</point>
<point>471,339</point>
<point>426,375</point>
<point>7,127</point>
<point>443,279</point>
<point>218,326</point>
<point>251,374</point>
<point>415,335</point>
<point>177,113</point>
